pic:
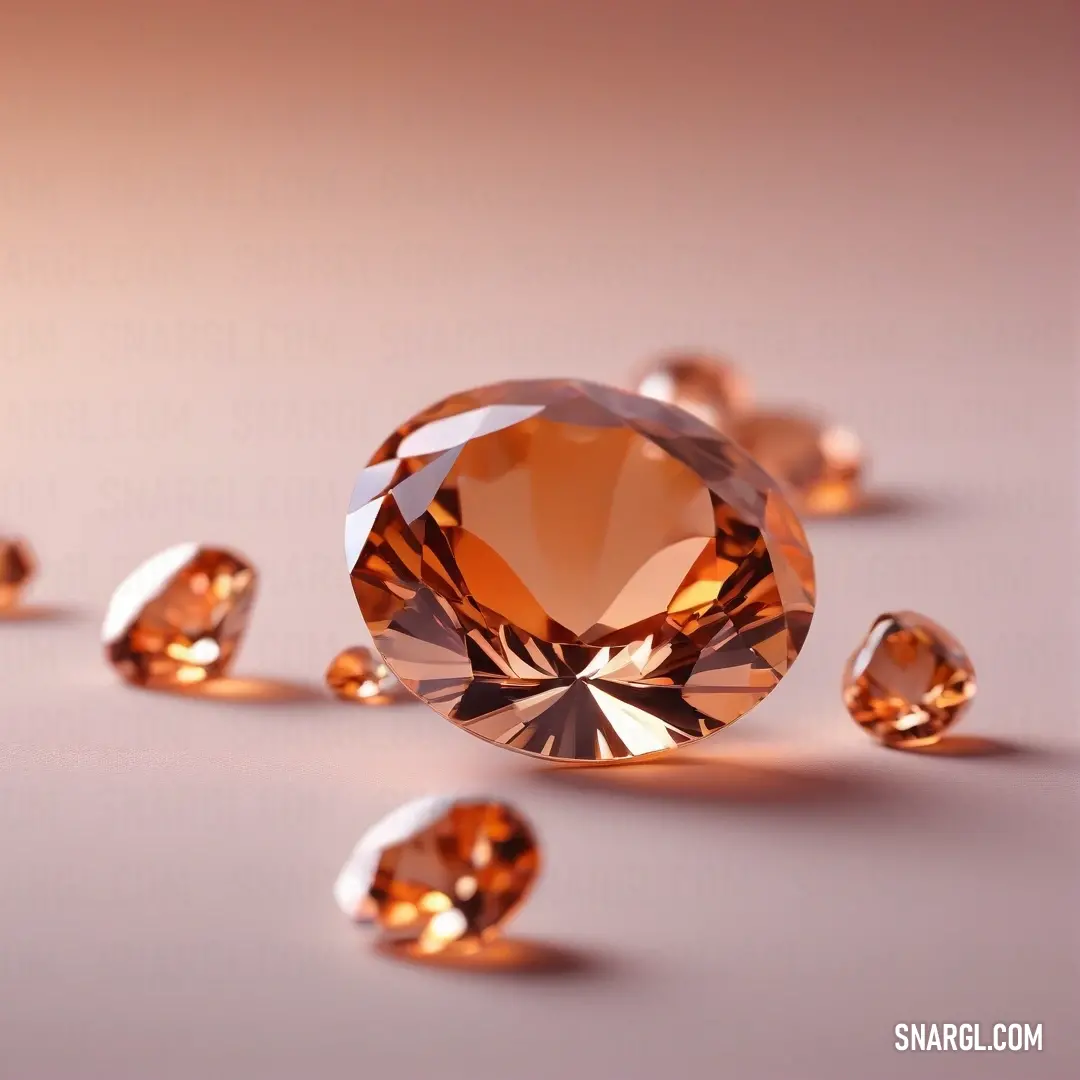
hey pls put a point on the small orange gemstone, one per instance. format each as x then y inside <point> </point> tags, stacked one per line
<point>819,465</point>
<point>709,388</point>
<point>908,681</point>
<point>441,872</point>
<point>17,567</point>
<point>357,674</point>
<point>179,617</point>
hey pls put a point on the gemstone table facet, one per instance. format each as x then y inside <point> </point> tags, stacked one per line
<point>357,674</point>
<point>819,465</point>
<point>440,872</point>
<point>179,618</point>
<point>17,568</point>
<point>908,681</point>
<point>577,572</point>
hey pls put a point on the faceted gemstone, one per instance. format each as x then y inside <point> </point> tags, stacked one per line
<point>908,681</point>
<point>179,617</point>
<point>818,465</point>
<point>577,572</point>
<point>440,872</point>
<point>357,674</point>
<point>17,567</point>
<point>710,388</point>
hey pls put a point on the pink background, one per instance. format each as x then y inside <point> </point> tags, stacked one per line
<point>239,242</point>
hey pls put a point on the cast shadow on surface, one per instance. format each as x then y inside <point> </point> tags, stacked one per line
<point>719,781</point>
<point>886,503</point>
<point>973,746</point>
<point>510,957</point>
<point>39,613</point>
<point>252,690</point>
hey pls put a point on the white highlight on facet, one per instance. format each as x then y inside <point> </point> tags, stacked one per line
<point>841,446</point>
<point>641,732</point>
<point>603,751</point>
<point>353,884</point>
<point>357,530</point>
<point>465,887</point>
<point>445,926</point>
<point>415,493</point>
<point>204,651</point>
<point>657,385</point>
<point>371,482</point>
<point>141,586</point>
<point>878,632</point>
<point>450,431</point>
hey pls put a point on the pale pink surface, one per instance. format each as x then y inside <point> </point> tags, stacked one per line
<point>238,246</point>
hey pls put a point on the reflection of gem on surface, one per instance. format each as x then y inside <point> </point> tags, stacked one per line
<point>17,567</point>
<point>179,617</point>
<point>819,465</point>
<point>908,681</point>
<point>357,674</point>
<point>577,572</point>
<point>711,389</point>
<point>440,872</point>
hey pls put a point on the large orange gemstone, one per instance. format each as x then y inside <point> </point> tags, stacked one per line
<point>577,572</point>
